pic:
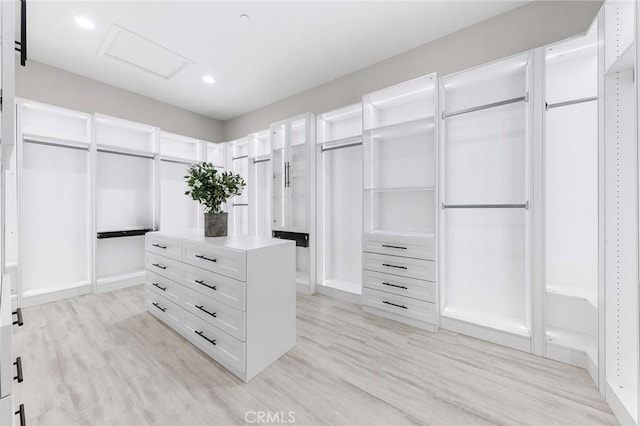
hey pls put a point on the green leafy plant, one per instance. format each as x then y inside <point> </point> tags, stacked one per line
<point>211,187</point>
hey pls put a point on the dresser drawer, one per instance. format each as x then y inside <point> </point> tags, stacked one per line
<point>400,305</point>
<point>219,260</point>
<point>407,267</point>
<point>402,286</point>
<point>227,350</point>
<point>419,248</point>
<point>165,287</point>
<point>221,288</point>
<point>216,313</point>
<point>168,268</point>
<point>166,311</point>
<point>165,246</point>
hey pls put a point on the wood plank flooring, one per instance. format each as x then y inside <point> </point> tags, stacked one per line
<point>102,360</point>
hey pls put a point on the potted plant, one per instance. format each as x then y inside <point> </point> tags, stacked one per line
<point>211,188</point>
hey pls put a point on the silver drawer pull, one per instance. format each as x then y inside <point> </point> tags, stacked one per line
<point>160,287</point>
<point>157,265</point>
<point>394,247</point>
<point>160,246</point>
<point>201,334</point>
<point>212,287</point>
<point>199,256</point>
<point>393,304</point>
<point>394,266</point>
<point>159,307</point>
<point>395,285</point>
<point>201,307</point>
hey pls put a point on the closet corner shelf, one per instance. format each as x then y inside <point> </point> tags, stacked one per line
<point>401,189</point>
<point>488,319</point>
<point>625,62</point>
<point>402,129</point>
<point>574,340</point>
<point>585,294</point>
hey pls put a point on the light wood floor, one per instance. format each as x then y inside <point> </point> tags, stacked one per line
<point>101,359</point>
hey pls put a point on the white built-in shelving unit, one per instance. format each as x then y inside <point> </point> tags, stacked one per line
<point>293,191</point>
<point>238,206</point>
<point>400,197</point>
<point>571,202</point>
<point>259,183</point>
<point>620,81</point>
<point>177,153</point>
<point>339,202</point>
<point>216,154</point>
<point>485,222</point>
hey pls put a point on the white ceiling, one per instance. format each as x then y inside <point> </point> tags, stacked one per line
<point>283,49</point>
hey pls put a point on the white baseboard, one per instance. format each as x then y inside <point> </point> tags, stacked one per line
<point>39,297</point>
<point>399,318</point>
<point>498,337</point>
<point>574,357</point>
<point>118,282</point>
<point>304,289</point>
<point>338,294</point>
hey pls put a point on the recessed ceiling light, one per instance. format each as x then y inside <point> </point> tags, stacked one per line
<point>84,22</point>
<point>244,17</point>
<point>208,78</point>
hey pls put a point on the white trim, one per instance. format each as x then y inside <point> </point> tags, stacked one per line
<point>118,282</point>
<point>39,297</point>
<point>399,318</point>
<point>336,293</point>
<point>499,337</point>
<point>618,408</point>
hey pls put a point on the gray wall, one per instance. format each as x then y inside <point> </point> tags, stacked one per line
<point>533,25</point>
<point>52,85</point>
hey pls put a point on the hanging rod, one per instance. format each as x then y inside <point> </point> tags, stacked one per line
<point>572,102</point>
<point>240,204</point>
<point>177,160</point>
<point>261,161</point>
<point>524,98</point>
<point>486,206</point>
<point>60,143</point>
<point>240,157</point>
<point>116,150</point>
<point>127,233</point>
<point>348,145</point>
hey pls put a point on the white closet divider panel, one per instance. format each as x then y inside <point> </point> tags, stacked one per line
<point>55,222</point>
<point>485,146</point>
<point>238,207</point>
<point>339,194</point>
<point>259,183</point>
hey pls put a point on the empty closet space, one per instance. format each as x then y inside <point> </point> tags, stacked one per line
<point>238,206</point>
<point>571,203</point>
<point>485,232</point>
<point>259,183</point>
<point>339,194</point>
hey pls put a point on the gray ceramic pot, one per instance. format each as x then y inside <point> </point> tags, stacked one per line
<point>215,224</point>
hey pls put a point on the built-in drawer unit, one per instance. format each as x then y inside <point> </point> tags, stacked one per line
<point>168,268</point>
<point>404,266</point>
<point>401,286</point>
<point>218,287</point>
<point>222,347</point>
<point>216,313</point>
<point>164,286</point>
<point>418,248</point>
<point>163,309</point>
<point>232,297</point>
<point>165,246</point>
<point>226,262</point>
<point>400,305</point>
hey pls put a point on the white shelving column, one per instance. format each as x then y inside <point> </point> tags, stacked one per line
<point>293,192</point>
<point>177,211</point>
<point>259,183</point>
<point>126,199</point>
<point>399,257</point>
<point>571,202</point>
<point>238,207</point>
<point>339,205</point>
<point>54,203</point>
<point>485,224</point>
<point>621,20</point>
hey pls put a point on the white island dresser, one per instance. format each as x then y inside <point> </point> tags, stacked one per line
<point>232,297</point>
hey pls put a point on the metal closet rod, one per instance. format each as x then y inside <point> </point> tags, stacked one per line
<point>261,161</point>
<point>348,145</point>
<point>524,98</point>
<point>572,102</point>
<point>240,157</point>
<point>486,206</point>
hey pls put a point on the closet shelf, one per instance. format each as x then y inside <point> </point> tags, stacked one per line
<point>488,319</point>
<point>402,189</point>
<point>626,61</point>
<point>567,290</point>
<point>573,340</point>
<point>402,129</point>
<point>56,141</point>
<point>113,149</point>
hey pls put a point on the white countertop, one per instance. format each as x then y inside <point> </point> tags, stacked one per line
<point>235,242</point>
